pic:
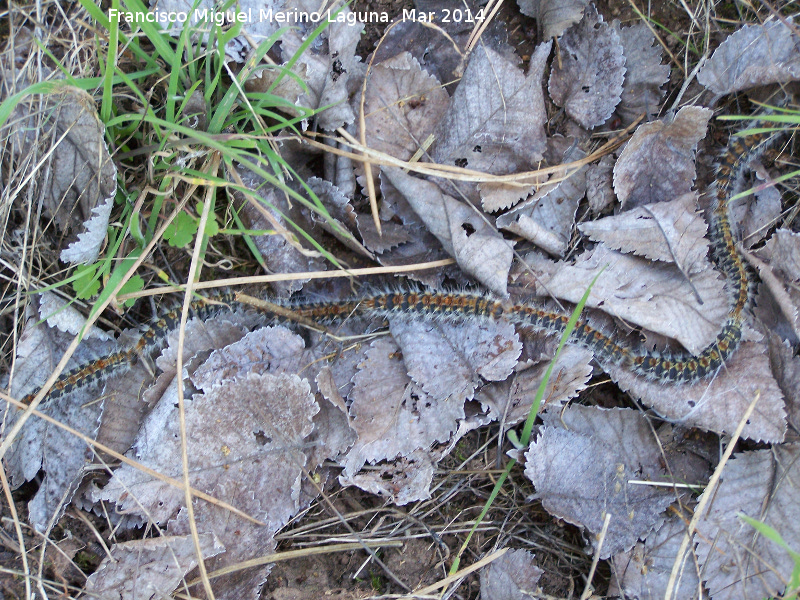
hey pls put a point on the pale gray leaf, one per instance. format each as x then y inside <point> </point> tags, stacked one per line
<point>583,473</point>
<point>547,217</point>
<point>406,479</point>
<point>641,90</point>
<point>476,246</point>
<point>553,16</point>
<point>718,403</point>
<point>669,231</point>
<point>449,360</point>
<point>657,164</point>
<point>148,569</point>
<point>392,415</point>
<point>402,105</point>
<point>587,81</point>
<point>513,576</point>
<point>498,196</point>
<point>737,563</point>
<point>643,571</point>
<point>495,119</point>
<point>81,180</point>
<point>512,399</point>
<point>752,56</point>
<point>253,420</point>
<point>655,296</point>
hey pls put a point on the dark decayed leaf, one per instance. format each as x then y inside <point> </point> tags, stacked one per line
<point>736,562</point>
<point>449,360</point>
<point>718,403</point>
<point>582,474</point>
<point>641,90</point>
<point>477,247</point>
<point>668,231</point>
<point>587,81</point>
<point>657,164</point>
<point>553,16</point>
<point>643,571</point>
<point>148,569</point>
<point>754,55</point>
<point>513,576</point>
<point>496,117</point>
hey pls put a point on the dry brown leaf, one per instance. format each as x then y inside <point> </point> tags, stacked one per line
<point>669,231</point>
<point>406,479</point>
<point>513,576</point>
<point>449,360</point>
<point>741,564</point>
<point>643,571</point>
<point>495,119</point>
<point>553,16</point>
<point>641,90</point>
<point>148,569</point>
<point>754,55</point>
<point>587,81</point>
<point>582,474</point>
<point>281,251</point>
<point>477,247</point>
<point>599,184</point>
<point>657,164</point>
<point>786,368</point>
<point>717,404</point>
<point>782,255</point>
<point>253,419</point>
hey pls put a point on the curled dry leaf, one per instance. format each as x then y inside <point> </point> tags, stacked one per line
<point>513,576</point>
<point>718,404</point>
<point>754,55</point>
<point>781,273</point>
<point>641,90</point>
<point>753,215</point>
<point>583,474</point>
<point>587,82</point>
<point>657,164</point>
<point>449,360</point>
<point>741,564</point>
<point>496,117</point>
<point>553,16</point>
<point>599,184</point>
<point>643,571</point>
<point>148,568</point>
<point>548,216</point>
<point>786,367</point>
<point>669,231</point>
<point>476,246</point>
